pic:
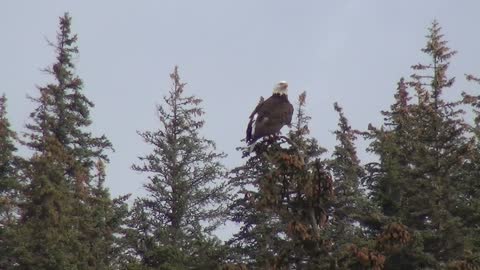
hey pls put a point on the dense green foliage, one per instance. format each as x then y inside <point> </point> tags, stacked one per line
<point>66,219</point>
<point>414,205</point>
<point>9,186</point>
<point>427,158</point>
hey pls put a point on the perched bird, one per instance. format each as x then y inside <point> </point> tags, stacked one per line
<point>270,115</point>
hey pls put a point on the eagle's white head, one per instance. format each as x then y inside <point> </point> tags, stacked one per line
<point>281,88</point>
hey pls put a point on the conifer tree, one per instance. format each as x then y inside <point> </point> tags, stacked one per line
<point>60,218</point>
<point>9,187</point>
<point>171,227</point>
<point>106,222</point>
<point>353,216</point>
<point>351,204</point>
<point>260,237</point>
<point>423,148</point>
<point>283,202</point>
<point>393,142</point>
<point>469,209</point>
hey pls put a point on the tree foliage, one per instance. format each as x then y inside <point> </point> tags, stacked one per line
<point>283,199</point>
<point>426,150</point>
<point>171,227</point>
<point>66,216</point>
<point>9,186</point>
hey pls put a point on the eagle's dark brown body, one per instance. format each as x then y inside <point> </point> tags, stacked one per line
<point>272,114</point>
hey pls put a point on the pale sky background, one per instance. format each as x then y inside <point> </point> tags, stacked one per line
<point>229,53</point>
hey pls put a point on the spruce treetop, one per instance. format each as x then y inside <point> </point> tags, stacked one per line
<point>185,198</point>
<point>63,112</point>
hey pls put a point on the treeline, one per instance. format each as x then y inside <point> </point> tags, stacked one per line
<point>417,206</point>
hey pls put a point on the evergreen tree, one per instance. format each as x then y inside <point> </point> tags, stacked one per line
<point>283,202</point>
<point>353,215</point>
<point>260,237</point>
<point>394,144</point>
<point>9,187</point>
<point>258,240</point>
<point>469,202</point>
<point>425,151</point>
<point>171,227</point>
<point>61,225</point>
<point>107,218</point>
<point>48,234</point>
<point>351,205</point>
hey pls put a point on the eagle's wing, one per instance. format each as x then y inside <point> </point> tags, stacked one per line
<point>252,119</point>
<point>288,114</point>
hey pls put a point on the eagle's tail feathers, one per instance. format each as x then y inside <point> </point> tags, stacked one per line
<point>249,131</point>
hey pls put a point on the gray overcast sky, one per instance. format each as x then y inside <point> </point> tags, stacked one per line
<point>229,53</point>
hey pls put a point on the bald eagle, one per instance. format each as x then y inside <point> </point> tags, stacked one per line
<point>270,115</point>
